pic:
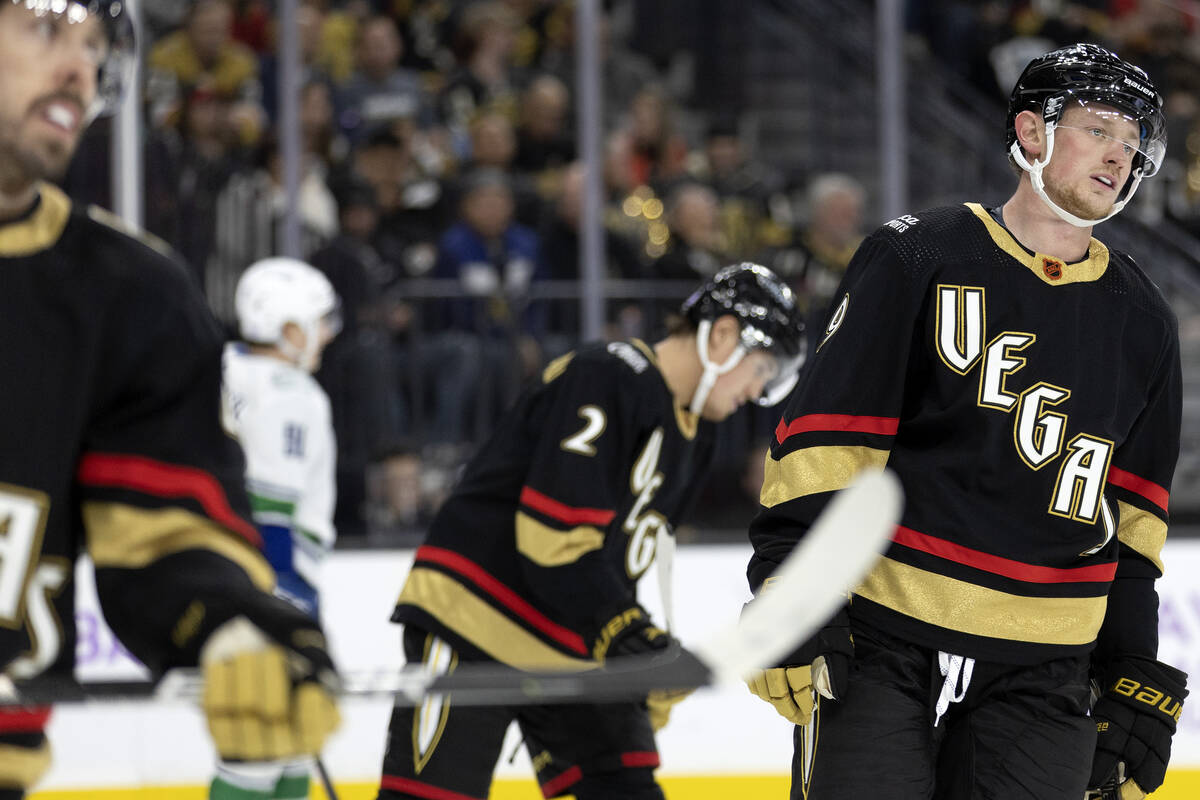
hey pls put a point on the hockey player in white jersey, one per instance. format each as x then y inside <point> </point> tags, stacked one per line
<point>287,313</point>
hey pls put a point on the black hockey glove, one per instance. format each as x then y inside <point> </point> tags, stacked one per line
<point>269,684</point>
<point>629,632</point>
<point>1136,713</point>
<point>819,666</point>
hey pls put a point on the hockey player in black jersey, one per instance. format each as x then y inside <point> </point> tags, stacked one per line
<point>1023,381</point>
<point>110,438</point>
<point>533,561</point>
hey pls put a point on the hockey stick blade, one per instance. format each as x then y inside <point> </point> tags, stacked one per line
<point>835,555</point>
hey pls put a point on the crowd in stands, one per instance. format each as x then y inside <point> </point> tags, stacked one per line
<point>438,142</point>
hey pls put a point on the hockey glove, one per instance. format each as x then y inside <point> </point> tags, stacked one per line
<point>1139,705</point>
<point>819,666</point>
<point>630,632</point>
<point>269,684</point>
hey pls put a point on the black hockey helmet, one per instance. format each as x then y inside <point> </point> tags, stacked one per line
<point>1089,73</point>
<point>770,320</point>
<point>116,72</point>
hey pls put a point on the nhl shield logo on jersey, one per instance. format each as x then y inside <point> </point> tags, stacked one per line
<point>1052,267</point>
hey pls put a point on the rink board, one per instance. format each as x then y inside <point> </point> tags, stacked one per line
<point>739,745</point>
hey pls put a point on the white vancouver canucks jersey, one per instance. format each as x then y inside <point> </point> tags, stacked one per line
<point>281,417</point>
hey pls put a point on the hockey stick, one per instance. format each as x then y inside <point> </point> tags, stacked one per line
<point>326,781</point>
<point>835,554</point>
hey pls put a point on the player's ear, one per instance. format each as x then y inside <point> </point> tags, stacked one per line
<point>723,337</point>
<point>294,335</point>
<point>1031,133</point>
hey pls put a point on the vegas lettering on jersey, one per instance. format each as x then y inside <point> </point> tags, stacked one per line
<point>1040,433</point>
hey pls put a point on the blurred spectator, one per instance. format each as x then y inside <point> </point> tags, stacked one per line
<point>310,21</point>
<point>658,152</point>
<point>186,169</point>
<point>204,52</point>
<point>692,251</point>
<point>380,91</point>
<point>483,46</point>
<point>545,140</point>
<point>412,203</point>
<point>252,24</point>
<point>624,73</point>
<point>745,191</point>
<point>423,28</point>
<point>492,257</point>
<point>361,278</point>
<point>404,490</point>
<point>493,146</point>
<point>560,253</point>
<point>827,242</point>
<point>494,260</point>
<point>359,371</point>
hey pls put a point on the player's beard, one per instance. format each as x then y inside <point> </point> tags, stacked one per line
<point>1075,202</point>
<point>27,159</point>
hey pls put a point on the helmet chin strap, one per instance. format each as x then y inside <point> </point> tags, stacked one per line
<point>1039,185</point>
<point>712,371</point>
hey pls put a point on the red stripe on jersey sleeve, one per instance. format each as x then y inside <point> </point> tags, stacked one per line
<point>1147,489</point>
<point>568,515</point>
<point>417,789</point>
<point>506,596</point>
<point>998,565</point>
<point>847,423</point>
<point>164,480</point>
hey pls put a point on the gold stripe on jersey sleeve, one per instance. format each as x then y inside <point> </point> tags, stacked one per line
<point>977,610</point>
<point>40,229</point>
<point>465,613</point>
<point>1090,269</point>
<point>1142,531</point>
<point>550,547</point>
<point>22,767</point>
<point>815,469</point>
<point>119,535</point>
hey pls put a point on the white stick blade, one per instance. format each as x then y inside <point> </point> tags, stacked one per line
<point>832,558</point>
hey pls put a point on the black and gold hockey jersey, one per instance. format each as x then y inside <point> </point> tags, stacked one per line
<point>559,514</point>
<point>1031,409</point>
<point>110,441</point>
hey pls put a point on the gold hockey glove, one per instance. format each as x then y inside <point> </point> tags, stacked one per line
<point>660,702</point>
<point>819,666</point>
<point>269,694</point>
<point>1139,705</point>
